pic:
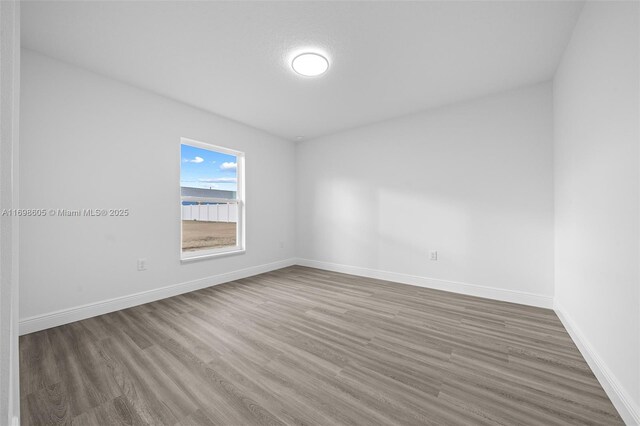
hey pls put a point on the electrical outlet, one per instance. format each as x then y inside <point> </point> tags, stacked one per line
<point>142,264</point>
<point>433,255</point>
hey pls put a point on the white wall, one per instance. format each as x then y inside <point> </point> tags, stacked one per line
<point>91,142</point>
<point>9,114</point>
<point>597,189</point>
<point>473,181</point>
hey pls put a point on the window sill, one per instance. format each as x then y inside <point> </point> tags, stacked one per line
<point>204,255</point>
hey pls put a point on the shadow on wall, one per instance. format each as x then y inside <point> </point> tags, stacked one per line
<point>386,229</point>
<point>389,227</point>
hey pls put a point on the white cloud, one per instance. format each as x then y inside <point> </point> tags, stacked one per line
<point>228,166</point>
<point>194,160</point>
<point>219,180</point>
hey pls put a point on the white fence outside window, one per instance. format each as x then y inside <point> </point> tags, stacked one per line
<point>224,212</point>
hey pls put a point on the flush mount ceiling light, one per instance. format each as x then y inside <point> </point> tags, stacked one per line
<point>310,64</point>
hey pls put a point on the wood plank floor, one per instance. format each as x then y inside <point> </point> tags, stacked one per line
<point>304,346</point>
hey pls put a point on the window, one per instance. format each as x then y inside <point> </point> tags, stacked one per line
<point>211,200</point>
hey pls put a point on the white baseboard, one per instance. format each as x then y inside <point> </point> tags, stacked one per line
<point>504,295</point>
<point>65,316</point>
<point>627,408</point>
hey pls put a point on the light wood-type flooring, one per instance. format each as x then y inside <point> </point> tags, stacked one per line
<point>305,346</point>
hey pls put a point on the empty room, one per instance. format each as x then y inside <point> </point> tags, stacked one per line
<point>319,213</point>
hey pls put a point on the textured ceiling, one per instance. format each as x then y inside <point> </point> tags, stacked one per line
<point>233,58</point>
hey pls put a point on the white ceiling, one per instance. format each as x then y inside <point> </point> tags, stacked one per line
<point>233,58</point>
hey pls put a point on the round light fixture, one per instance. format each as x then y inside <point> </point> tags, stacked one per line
<point>310,64</point>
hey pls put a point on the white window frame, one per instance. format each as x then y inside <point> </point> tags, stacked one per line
<point>239,248</point>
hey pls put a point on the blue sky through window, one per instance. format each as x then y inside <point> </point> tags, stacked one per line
<point>201,168</point>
